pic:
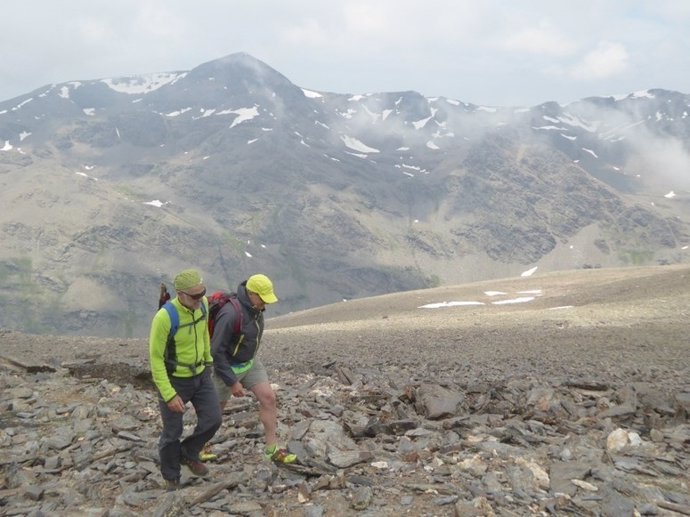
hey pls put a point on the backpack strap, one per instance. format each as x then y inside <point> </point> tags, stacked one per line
<point>170,355</point>
<point>237,329</point>
<point>174,318</point>
<point>238,310</point>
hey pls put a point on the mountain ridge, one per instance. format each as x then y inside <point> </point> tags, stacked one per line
<point>232,168</point>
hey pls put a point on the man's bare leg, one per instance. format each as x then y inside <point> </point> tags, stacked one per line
<point>268,414</point>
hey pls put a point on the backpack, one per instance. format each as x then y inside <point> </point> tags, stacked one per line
<point>164,296</point>
<point>216,301</point>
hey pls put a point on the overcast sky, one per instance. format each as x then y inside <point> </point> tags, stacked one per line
<point>490,52</point>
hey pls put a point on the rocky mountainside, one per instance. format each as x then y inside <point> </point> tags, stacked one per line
<point>558,394</point>
<point>110,186</point>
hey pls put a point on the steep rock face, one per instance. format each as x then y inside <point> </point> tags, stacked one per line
<point>110,186</point>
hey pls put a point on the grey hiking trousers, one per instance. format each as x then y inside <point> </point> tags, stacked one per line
<point>202,394</point>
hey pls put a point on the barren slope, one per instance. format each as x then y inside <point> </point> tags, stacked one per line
<point>598,322</point>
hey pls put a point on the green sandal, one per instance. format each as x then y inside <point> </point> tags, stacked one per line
<point>279,455</point>
<point>206,454</point>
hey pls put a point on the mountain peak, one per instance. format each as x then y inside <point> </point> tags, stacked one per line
<point>240,66</point>
<point>239,57</point>
<point>239,62</point>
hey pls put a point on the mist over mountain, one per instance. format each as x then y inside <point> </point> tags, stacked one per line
<point>110,186</point>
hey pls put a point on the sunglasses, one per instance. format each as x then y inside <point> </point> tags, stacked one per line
<point>195,296</point>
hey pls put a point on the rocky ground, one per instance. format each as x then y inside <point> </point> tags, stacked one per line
<point>562,394</point>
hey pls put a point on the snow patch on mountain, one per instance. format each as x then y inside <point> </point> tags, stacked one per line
<point>356,145</point>
<point>142,83</point>
<point>311,94</point>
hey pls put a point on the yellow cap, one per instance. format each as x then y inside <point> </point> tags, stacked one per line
<point>262,285</point>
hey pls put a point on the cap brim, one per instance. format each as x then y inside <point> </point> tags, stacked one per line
<point>269,298</point>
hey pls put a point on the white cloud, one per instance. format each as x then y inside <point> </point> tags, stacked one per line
<point>489,53</point>
<point>607,60</point>
<point>675,11</point>
<point>307,32</point>
<point>544,40</point>
<point>366,18</point>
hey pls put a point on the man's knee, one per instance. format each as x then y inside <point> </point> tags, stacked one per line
<point>210,414</point>
<point>215,415</point>
<point>217,421</point>
<point>265,395</point>
<point>172,426</point>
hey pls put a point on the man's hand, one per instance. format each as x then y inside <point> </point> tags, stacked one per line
<point>237,389</point>
<point>176,405</point>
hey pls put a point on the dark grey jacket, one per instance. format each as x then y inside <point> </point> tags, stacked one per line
<point>227,347</point>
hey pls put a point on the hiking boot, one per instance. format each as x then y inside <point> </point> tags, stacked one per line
<point>279,455</point>
<point>172,484</point>
<point>207,454</point>
<point>195,466</point>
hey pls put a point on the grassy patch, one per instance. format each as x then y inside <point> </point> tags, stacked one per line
<point>129,192</point>
<point>233,242</point>
<point>636,257</point>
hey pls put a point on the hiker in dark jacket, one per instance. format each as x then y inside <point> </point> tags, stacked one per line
<point>181,371</point>
<point>236,365</point>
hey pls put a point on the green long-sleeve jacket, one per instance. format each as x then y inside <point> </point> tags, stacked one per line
<point>192,346</point>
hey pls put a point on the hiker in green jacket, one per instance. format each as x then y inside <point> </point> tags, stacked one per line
<point>180,364</point>
<point>236,365</point>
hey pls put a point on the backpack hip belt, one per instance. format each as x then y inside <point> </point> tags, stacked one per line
<point>192,367</point>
